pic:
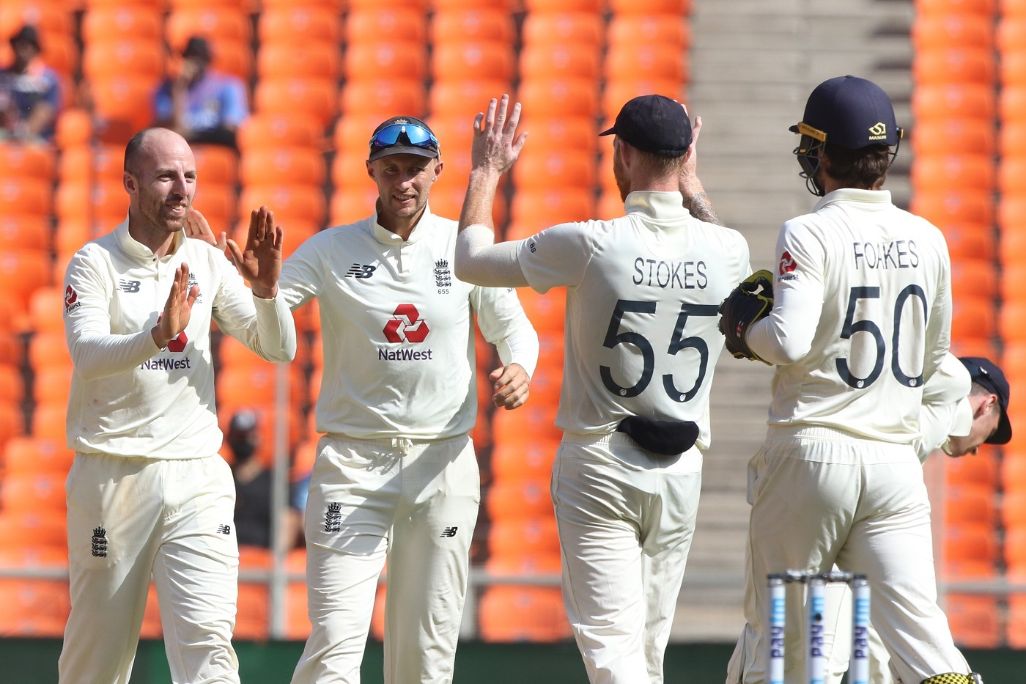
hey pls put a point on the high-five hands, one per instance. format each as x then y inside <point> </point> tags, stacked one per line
<point>177,309</point>
<point>496,143</point>
<point>260,262</point>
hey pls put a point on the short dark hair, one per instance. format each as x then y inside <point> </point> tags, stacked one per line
<point>132,149</point>
<point>860,168</point>
<point>659,164</point>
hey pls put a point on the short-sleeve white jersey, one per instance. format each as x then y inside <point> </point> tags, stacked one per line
<point>129,398</point>
<point>396,328</point>
<point>861,317</point>
<point>643,292</point>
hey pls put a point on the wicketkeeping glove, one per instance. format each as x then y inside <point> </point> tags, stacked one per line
<point>747,303</point>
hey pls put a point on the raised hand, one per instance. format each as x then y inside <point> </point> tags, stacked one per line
<point>197,227</point>
<point>260,262</point>
<point>496,143</point>
<point>177,309</point>
<point>512,386</point>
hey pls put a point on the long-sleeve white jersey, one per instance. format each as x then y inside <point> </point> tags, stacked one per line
<point>643,292</point>
<point>129,398</point>
<point>396,327</point>
<point>861,317</point>
<point>946,409</point>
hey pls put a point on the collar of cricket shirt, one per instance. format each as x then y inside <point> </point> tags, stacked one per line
<point>868,197</point>
<point>656,203</point>
<point>420,231</point>
<point>138,250</point>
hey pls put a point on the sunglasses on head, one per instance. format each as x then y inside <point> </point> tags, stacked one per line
<point>411,134</point>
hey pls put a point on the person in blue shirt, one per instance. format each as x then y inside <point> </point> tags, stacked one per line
<point>30,94</point>
<point>201,104</point>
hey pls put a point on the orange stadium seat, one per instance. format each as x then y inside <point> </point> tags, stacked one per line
<point>28,492</point>
<point>546,207</point>
<point>298,165</point>
<point>383,98</point>
<point>319,60</point>
<point>383,59</point>
<point>151,627</point>
<point>12,389</point>
<point>352,134</point>
<point>27,161</point>
<point>952,136</point>
<point>522,614</point>
<point>473,60</point>
<point>655,60</point>
<point>559,97</point>
<point>47,17</point>
<point>301,201</point>
<point>220,24</point>
<point>553,169</point>
<point>474,24</point>
<point>217,202</point>
<point>252,619</point>
<point>935,7</point>
<point>112,58</point>
<point>462,99</point>
<point>558,60</point>
<point>297,619</point>
<point>974,620</point>
<point>48,348</point>
<point>124,102</point>
<point>259,384</point>
<point>619,91</point>
<point>678,7</point>
<point>973,317</point>
<point>25,195</point>
<point>973,277</point>
<point>314,97</point>
<point>1013,512</point>
<point>969,542</point>
<point>352,204</point>
<point>1015,551</point>
<point>27,231</point>
<point>1012,64</point>
<point>35,529</point>
<point>1009,183</point>
<point>564,27</point>
<point>954,205</point>
<point>518,498</point>
<point>1012,139</point>
<point>130,21</point>
<point>33,607</point>
<point>1012,103</point>
<point>968,504</point>
<point>981,470</point>
<point>279,129</point>
<point>564,5</point>
<point>967,100</point>
<point>520,458</point>
<point>86,163</point>
<point>448,5</point>
<point>36,454</point>
<point>299,24</point>
<point>1010,33</point>
<point>576,132</point>
<point>398,23</point>
<point>22,271</point>
<point>520,537</point>
<point>215,164</point>
<point>1013,472</point>
<point>632,29</point>
<point>963,28</point>
<point>936,172</point>
<point>1017,619</point>
<point>970,241</point>
<point>49,420</point>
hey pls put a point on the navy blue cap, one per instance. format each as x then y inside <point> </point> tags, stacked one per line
<point>985,373</point>
<point>851,112</point>
<point>655,124</point>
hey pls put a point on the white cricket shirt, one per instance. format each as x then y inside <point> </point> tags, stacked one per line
<point>643,292</point>
<point>129,398</point>
<point>946,409</point>
<point>396,329</point>
<point>861,317</point>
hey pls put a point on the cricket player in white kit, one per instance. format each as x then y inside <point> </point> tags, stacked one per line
<point>860,321</point>
<point>965,404</point>
<point>640,349</point>
<point>396,475</point>
<point>149,496</point>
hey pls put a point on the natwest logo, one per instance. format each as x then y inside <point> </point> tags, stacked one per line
<point>406,325</point>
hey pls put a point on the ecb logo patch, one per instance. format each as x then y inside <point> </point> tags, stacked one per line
<point>406,325</point>
<point>99,543</point>
<point>443,276</point>
<point>71,300</point>
<point>787,266</point>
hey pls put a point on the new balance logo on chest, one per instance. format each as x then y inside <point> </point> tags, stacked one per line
<point>129,286</point>
<point>361,271</point>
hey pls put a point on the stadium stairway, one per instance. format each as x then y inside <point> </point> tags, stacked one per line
<point>753,64</point>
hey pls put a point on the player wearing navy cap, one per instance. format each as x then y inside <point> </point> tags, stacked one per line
<point>640,350</point>
<point>396,475</point>
<point>859,324</point>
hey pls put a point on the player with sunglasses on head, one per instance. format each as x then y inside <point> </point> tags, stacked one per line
<point>860,321</point>
<point>396,477</point>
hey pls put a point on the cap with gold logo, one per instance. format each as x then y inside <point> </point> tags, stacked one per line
<point>851,112</point>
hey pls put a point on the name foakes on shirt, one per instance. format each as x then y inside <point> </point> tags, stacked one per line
<point>673,275</point>
<point>885,255</point>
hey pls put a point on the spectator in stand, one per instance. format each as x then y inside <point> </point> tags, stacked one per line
<point>203,105</point>
<point>30,93</point>
<point>253,486</point>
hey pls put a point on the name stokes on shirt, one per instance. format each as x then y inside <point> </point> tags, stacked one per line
<point>675,275</point>
<point>885,255</point>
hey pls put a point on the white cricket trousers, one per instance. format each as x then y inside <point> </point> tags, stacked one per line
<point>626,518</point>
<point>130,519</point>
<point>821,496</point>
<point>413,504</point>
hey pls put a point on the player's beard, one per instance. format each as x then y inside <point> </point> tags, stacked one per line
<point>620,174</point>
